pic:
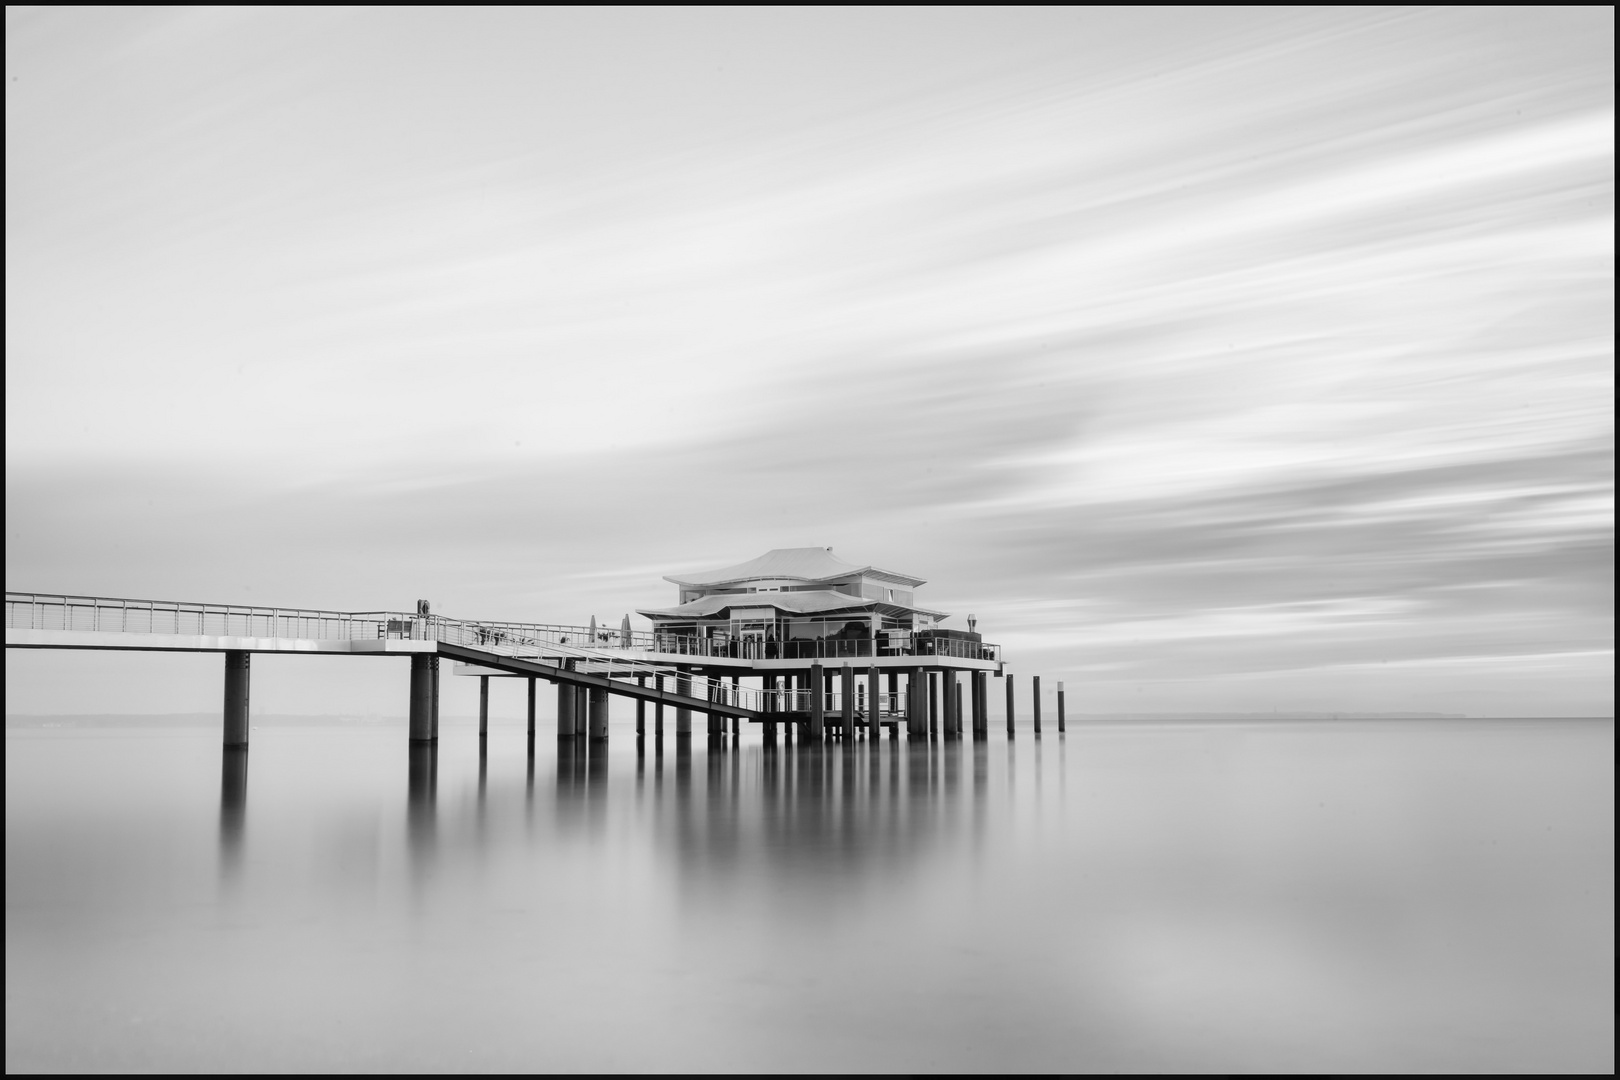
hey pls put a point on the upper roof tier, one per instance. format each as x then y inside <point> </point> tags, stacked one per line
<point>805,564</point>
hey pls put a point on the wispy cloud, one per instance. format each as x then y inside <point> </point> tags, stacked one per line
<point>1279,343</point>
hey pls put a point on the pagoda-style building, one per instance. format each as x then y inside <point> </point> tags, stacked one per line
<point>804,603</point>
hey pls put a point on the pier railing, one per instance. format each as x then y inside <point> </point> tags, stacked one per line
<point>589,650</point>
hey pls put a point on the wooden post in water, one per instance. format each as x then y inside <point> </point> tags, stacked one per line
<point>1060,708</point>
<point>1009,679</point>
<point>1035,682</point>
<point>483,705</point>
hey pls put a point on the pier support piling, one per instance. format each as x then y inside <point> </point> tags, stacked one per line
<point>598,708</point>
<point>641,711</point>
<point>1009,705</point>
<point>981,702</point>
<point>683,716</point>
<point>565,711</point>
<point>424,697</point>
<point>1061,718</point>
<point>933,706</point>
<point>874,704</point>
<point>818,702</point>
<point>1035,691</point>
<point>237,676</point>
<point>846,690</point>
<point>483,706</point>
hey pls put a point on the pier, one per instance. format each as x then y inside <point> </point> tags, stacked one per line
<point>810,660</point>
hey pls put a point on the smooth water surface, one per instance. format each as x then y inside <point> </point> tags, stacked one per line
<point>1325,896</point>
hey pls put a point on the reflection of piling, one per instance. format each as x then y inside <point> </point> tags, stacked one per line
<point>233,777</point>
<point>421,793</point>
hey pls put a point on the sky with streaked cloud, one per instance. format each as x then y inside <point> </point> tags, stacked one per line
<point>1218,360</point>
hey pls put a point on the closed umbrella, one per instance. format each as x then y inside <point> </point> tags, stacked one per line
<point>593,629</point>
<point>624,632</point>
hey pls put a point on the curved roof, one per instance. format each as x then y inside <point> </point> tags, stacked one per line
<point>794,603</point>
<point>806,564</point>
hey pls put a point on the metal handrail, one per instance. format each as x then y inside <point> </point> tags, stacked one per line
<point>64,611</point>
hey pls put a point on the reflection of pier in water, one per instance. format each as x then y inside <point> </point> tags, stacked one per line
<point>723,810</point>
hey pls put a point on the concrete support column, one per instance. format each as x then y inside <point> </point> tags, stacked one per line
<point>1009,705</point>
<point>683,715</point>
<point>582,702</point>
<point>565,710</point>
<point>847,714</point>
<point>1061,724</point>
<point>424,691</point>
<point>598,703</point>
<point>1035,683</point>
<point>236,698</point>
<point>818,702</point>
<point>483,705</point>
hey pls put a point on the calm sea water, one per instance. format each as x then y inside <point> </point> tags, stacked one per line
<point>1324,896</point>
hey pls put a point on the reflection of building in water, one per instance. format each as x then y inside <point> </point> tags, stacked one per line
<point>794,603</point>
